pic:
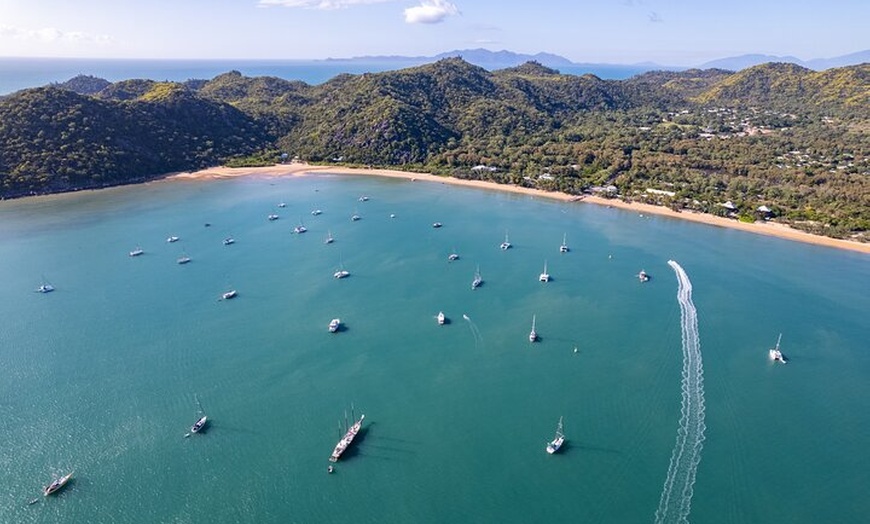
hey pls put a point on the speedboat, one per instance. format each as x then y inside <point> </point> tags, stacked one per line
<point>199,424</point>
<point>441,318</point>
<point>334,325</point>
<point>172,239</point>
<point>229,294</point>
<point>56,485</point>
<point>136,252</point>
<point>643,276</point>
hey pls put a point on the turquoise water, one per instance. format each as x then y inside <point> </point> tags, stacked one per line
<point>102,376</point>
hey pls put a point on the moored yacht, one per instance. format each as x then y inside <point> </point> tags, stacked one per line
<point>282,204</point>
<point>199,424</point>
<point>172,239</point>
<point>453,256</point>
<point>136,252</point>
<point>56,485</point>
<point>643,276</point>
<point>183,259</point>
<point>564,247</point>
<point>775,353</point>
<point>533,334</point>
<point>334,325</point>
<point>436,225</point>
<point>229,295</point>
<point>545,277</point>
<point>300,229</point>
<point>229,241</point>
<point>316,212</point>
<point>329,239</point>
<point>272,216</point>
<point>555,444</point>
<point>506,244</point>
<point>347,439</point>
<point>441,318</point>
<point>477,279</point>
<point>45,287</point>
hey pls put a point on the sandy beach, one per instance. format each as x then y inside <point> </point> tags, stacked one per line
<point>760,228</point>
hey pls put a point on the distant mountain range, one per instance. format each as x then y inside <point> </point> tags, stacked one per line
<point>504,59</point>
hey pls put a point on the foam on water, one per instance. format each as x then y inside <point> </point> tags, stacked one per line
<point>676,500</point>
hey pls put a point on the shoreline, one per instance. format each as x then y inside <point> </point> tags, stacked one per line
<point>759,228</point>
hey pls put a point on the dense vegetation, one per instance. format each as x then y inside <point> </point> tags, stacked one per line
<point>775,135</point>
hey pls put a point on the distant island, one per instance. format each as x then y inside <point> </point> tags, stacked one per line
<point>776,142</point>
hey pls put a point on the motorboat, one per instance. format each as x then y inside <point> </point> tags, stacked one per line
<point>334,325</point>
<point>441,318</point>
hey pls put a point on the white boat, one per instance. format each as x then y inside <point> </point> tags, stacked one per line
<point>300,229</point>
<point>57,485</point>
<point>229,240</point>
<point>506,244</point>
<point>545,277</point>
<point>136,252</point>
<point>533,335</point>
<point>347,439</point>
<point>477,279</point>
<point>199,424</point>
<point>363,198</point>
<point>341,273</point>
<point>316,212</point>
<point>334,325</point>
<point>453,256</point>
<point>273,216</point>
<point>355,217</point>
<point>229,295</point>
<point>282,204</point>
<point>436,225</point>
<point>441,318</point>
<point>775,354</point>
<point>555,444</point>
<point>45,287</point>
<point>564,247</point>
<point>643,276</point>
<point>172,239</point>
<point>183,259</point>
<point>329,239</point>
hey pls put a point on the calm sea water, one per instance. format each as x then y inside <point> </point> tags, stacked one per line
<point>22,73</point>
<point>102,376</point>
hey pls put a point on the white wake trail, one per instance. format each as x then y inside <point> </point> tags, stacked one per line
<point>676,500</point>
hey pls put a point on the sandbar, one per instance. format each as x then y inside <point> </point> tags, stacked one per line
<point>760,228</point>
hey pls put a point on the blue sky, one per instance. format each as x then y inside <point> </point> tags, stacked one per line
<point>673,32</point>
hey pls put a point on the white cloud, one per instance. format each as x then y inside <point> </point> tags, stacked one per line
<point>430,12</point>
<point>51,34</point>
<point>318,4</point>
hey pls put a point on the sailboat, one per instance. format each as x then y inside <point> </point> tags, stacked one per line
<point>564,247</point>
<point>136,252</point>
<point>334,325</point>
<point>477,279</point>
<point>57,484</point>
<point>643,276</point>
<point>506,244</point>
<point>775,353</point>
<point>545,277</point>
<point>533,335</point>
<point>300,228</point>
<point>348,437</point>
<point>183,259</point>
<point>441,318</point>
<point>453,255</point>
<point>555,444</point>
<point>45,287</point>
<point>341,273</point>
<point>329,239</point>
<point>200,422</point>
<point>228,241</point>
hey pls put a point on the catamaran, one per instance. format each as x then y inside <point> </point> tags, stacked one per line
<point>506,244</point>
<point>57,485</point>
<point>477,279</point>
<point>554,445</point>
<point>545,277</point>
<point>533,335</point>
<point>564,247</point>
<point>347,439</point>
<point>775,354</point>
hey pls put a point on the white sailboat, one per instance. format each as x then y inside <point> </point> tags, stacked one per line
<point>183,259</point>
<point>533,335</point>
<point>441,318</point>
<point>136,252</point>
<point>453,255</point>
<point>341,272</point>
<point>329,239</point>
<point>477,279</point>
<point>555,444</point>
<point>506,244</point>
<point>545,277</point>
<point>564,247</point>
<point>775,354</point>
<point>45,287</point>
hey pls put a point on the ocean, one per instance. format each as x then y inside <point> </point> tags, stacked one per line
<point>23,73</point>
<point>105,375</point>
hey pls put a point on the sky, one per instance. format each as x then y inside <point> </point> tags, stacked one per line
<point>667,32</point>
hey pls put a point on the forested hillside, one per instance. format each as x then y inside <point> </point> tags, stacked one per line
<point>777,135</point>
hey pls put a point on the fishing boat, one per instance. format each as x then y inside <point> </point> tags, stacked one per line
<point>545,277</point>
<point>477,279</point>
<point>643,276</point>
<point>229,241</point>
<point>199,424</point>
<point>441,318</point>
<point>533,335</point>
<point>334,325</point>
<point>564,247</point>
<point>554,445</point>
<point>506,244</point>
<point>229,295</point>
<point>347,439</point>
<point>172,239</point>
<point>136,252</point>
<point>775,354</point>
<point>56,485</point>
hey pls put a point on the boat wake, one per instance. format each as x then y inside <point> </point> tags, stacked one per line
<point>475,332</point>
<point>676,500</point>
